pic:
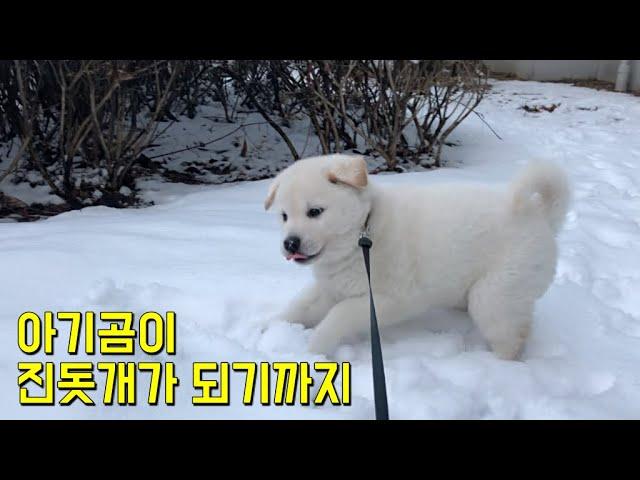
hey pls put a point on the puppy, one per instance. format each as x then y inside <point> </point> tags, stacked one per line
<point>490,251</point>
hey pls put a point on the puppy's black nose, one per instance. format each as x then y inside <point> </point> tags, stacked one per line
<point>292,244</point>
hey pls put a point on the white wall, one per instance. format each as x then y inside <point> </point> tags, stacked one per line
<point>634,82</point>
<point>566,69</point>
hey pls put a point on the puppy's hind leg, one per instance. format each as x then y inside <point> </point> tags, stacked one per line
<point>501,314</point>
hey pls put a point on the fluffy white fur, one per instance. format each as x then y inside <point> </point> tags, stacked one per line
<point>490,251</point>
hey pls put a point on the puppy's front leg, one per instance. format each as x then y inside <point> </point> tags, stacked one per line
<point>351,318</point>
<point>311,306</point>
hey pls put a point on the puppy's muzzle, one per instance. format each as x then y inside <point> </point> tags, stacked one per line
<point>292,244</point>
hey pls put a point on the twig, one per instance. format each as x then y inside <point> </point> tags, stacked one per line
<point>306,142</point>
<point>200,145</point>
<point>481,117</point>
<point>16,158</point>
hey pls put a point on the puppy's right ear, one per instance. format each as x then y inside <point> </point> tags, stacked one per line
<point>273,188</point>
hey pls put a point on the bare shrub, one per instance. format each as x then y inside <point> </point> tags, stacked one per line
<point>396,108</point>
<point>257,82</point>
<point>83,125</point>
<point>458,88</point>
<point>323,90</point>
<point>91,114</point>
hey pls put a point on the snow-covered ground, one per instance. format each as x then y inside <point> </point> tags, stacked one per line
<point>210,253</point>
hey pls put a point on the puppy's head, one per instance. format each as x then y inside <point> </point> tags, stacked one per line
<point>323,203</point>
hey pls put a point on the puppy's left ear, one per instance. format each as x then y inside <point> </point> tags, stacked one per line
<point>271,195</point>
<point>350,170</point>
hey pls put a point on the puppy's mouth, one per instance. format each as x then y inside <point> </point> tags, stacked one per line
<point>302,258</point>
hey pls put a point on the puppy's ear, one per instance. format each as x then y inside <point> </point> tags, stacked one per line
<point>271,195</point>
<point>350,170</point>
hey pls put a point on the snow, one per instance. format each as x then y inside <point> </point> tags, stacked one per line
<point>210,253</point>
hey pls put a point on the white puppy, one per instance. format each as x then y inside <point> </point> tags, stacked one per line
<point>492,252</point>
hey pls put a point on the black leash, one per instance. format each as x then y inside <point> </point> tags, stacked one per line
<point>379,383</point>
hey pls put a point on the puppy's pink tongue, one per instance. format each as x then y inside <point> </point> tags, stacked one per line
<point>296,256</point>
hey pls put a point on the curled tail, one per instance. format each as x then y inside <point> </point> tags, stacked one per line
<point>542,187</point>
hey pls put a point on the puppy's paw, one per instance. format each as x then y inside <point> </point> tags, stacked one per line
<point>508,350</point>
<point>295,320</point>
<point>269,321</point>
<point>322,343</point>
<point>298,316</point>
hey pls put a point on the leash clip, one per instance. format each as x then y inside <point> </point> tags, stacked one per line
<point>365,235</point>
<point>365,241</point>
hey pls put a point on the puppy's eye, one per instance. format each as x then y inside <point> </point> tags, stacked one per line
<point>314,212</point>
<point>284,217</point>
